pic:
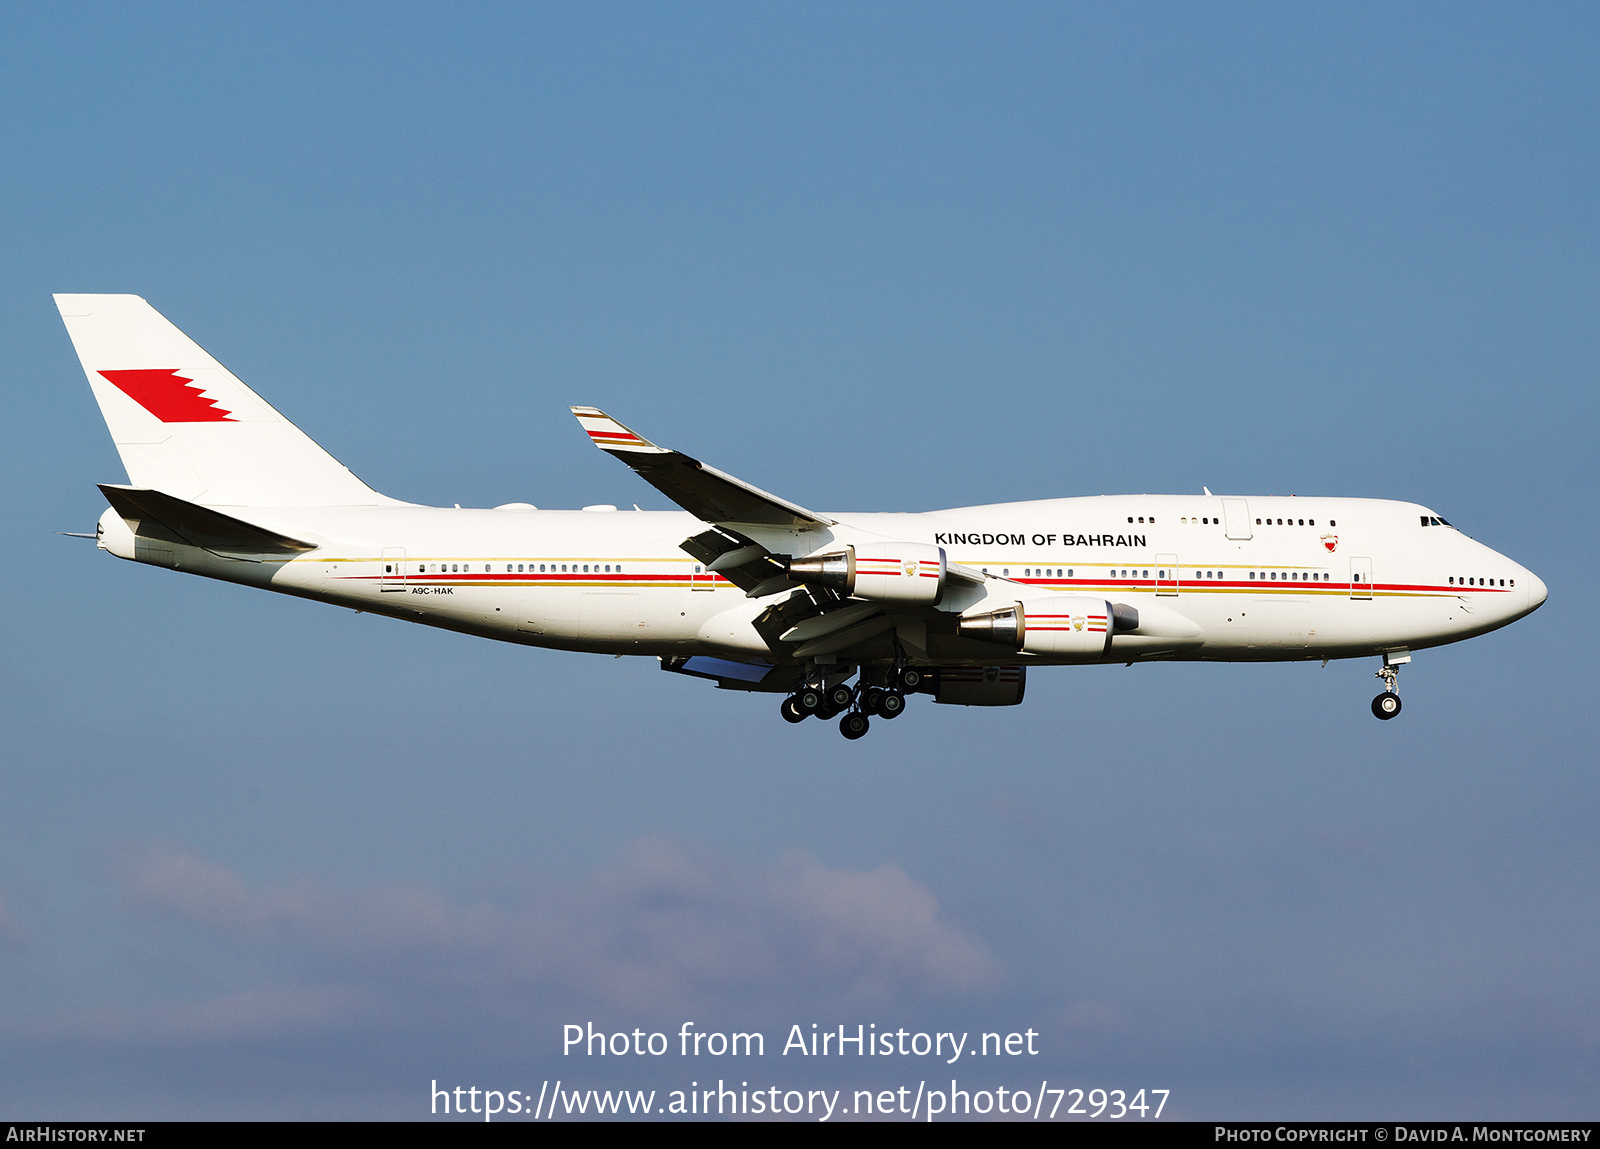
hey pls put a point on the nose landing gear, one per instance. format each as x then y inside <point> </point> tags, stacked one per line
<point>1387,704</point>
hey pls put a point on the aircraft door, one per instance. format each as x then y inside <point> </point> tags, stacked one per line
<point>699,578</point>
<point>1236,518</point>
<point>1167,574</point>
<point>1360,577</point>
<point>393,577</point>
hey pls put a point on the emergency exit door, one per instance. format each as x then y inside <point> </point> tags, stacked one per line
<point>393,576</point>
<point>1360,577</point>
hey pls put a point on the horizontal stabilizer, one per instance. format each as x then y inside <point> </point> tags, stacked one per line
<point>705,492</point>
<point>196,525</point>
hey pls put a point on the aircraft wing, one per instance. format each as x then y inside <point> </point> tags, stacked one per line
<point>705,492</point>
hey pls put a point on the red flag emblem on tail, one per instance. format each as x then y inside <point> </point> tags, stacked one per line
<point>168,396</point>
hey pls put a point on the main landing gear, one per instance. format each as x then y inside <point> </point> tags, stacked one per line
<point>859,703</point>
<point>1387,704</point>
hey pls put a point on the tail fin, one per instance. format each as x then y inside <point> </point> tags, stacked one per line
<point>186,426</point>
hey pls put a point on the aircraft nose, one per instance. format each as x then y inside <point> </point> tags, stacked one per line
<point>1537,591</point>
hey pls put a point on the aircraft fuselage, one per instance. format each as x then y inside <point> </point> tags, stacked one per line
<point>1316,578</point>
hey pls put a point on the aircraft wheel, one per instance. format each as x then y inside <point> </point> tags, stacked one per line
<point>808,701</point>
<point>1386,705</point>
<point>872,701</point>
<point>791,711</point>
<point>911,678</point>
<point>854,725</point>
<point>826,712</point>
<point>840,697</point>
<point>892,704</point>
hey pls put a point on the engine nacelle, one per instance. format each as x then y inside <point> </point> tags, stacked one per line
<point>911,573</point>
<point>1059,625</point>
<point>981,686</point>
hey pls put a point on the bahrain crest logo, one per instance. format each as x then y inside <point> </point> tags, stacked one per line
<point>1331,542</point>
<point>1077,624</point>
<point>910,568</point>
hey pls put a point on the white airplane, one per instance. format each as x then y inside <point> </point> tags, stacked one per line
<point>842,614</point>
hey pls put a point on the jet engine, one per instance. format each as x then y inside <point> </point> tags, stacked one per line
<point>911,573</point>
<point>1060,625</point>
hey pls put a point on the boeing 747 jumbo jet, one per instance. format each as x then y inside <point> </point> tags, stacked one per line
<point>843,615</point>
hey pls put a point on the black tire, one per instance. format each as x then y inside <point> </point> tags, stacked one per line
<point>911,678</point>
<point>791,711</point>
<point>1386,705</point>
<point>809,701</point>
<point>892,704</point>
<point>841,696</point>
<point>872,700</point>
<point>826,712</point>
<point>853,725</point>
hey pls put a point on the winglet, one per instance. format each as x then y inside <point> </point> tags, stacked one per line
<point>610,435</point>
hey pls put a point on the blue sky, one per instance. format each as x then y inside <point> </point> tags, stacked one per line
<point>260,857</point>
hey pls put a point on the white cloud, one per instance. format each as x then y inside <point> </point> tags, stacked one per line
<point>666,929</point>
